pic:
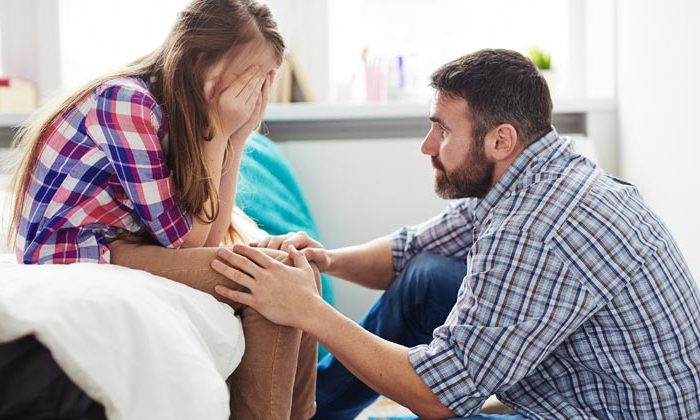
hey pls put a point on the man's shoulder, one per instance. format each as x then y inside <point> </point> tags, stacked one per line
<point>557,194</point>
<point>544,198</point>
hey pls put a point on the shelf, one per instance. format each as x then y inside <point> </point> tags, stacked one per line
<point>13,119</point>
<point>368,111</point>
<point>329,111</point>
<point>299,112</point>
<point>312,121</point>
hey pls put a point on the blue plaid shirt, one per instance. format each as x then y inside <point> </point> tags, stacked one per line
<point>576,304</point>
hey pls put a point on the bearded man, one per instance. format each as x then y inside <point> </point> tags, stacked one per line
<point>546,282</point>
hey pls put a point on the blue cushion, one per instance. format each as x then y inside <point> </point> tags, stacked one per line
<point>270,194</point>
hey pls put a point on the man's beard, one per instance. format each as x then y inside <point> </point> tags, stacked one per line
<point>472,178</point>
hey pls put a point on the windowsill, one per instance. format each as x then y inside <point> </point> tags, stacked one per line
<point>333,111</point>
<point>14,118</point>
<point>389,110</point>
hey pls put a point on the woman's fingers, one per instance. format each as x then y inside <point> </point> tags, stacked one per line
<point>266,91</point>
<point>261,103</point>
<point>299,240</point>
<point>253,89</point>
<point>246,85</point>
<point>233,274</point>
<point>262,242</point>
<point>242,82</point>
<point>275,242</point>
<point>255,116</point>
<point>298,258</point>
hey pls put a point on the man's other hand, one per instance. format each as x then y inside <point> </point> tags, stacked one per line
<point>312,250</point>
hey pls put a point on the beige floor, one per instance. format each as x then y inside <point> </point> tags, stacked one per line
<point>385,408</point>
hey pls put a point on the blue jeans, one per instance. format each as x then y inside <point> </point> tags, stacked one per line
<point>416,302</point>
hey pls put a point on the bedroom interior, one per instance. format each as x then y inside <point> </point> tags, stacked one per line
<point>337,152</point>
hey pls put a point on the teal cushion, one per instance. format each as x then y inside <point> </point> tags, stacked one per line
<point>270,194</point>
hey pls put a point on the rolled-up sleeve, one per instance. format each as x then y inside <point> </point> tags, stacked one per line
<point>124,122</point>
<point>518,302</point>
<point>449,233</point>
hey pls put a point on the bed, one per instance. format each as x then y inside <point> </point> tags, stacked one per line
<point>140,346</point>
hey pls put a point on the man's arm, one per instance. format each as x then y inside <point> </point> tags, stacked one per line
<point>375,264</point>
<point>377,362</point>
<point>369,265</point>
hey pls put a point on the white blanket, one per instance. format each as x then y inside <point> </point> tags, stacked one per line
<point>143,346</point>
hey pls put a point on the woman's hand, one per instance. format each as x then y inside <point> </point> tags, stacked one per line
<point>285,295</point>
<point>234,106</point>
<point>312,250</point>
<point>239,137</point>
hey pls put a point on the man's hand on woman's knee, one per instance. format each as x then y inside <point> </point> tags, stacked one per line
<point>283,257</point>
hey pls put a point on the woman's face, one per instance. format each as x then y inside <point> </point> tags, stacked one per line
<point>225,70</point>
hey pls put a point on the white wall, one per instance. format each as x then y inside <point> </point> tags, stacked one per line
<point>304,25</point>
<point>30,50</point>
<point>658,91</point>
<point>359,190</point>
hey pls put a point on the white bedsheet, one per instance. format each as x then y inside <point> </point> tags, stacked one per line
<point>143,346</point>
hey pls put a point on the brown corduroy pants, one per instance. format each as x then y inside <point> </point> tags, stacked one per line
<point>276,378</point>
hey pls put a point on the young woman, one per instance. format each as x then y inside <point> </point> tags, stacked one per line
<point>138,168</point>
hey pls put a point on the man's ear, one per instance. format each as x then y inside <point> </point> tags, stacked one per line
<point>502,143</point>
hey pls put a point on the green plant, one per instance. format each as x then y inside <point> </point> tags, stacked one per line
<point>541,59</point>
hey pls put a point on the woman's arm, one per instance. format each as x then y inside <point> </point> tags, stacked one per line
<point>189,266</point>
<point>230,168</point>
<point>238,110</point>
<point>227,197</point>
<point>200,231</point>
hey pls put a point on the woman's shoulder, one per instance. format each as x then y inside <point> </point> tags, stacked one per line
<point>130,95</point>
<point>127,88</point>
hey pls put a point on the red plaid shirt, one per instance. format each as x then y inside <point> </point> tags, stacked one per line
<point>101,172</point>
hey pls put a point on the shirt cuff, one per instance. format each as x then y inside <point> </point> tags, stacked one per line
<point>442,371</point>
<point>398,241</point>
<point>173,225</point>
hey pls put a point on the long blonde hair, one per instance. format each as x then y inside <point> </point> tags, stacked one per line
<point>204,32</point>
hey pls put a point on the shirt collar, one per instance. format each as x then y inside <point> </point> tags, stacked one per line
<point>537,151</point>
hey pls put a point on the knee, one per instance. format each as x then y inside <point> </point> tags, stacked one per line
<point>427,273</point>
<point>427,267</point>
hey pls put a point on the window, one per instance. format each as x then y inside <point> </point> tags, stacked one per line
<point>98,36</point>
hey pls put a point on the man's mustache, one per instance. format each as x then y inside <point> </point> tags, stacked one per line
<point>437,164</point>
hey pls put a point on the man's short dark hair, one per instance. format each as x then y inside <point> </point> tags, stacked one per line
<point>500,86</point>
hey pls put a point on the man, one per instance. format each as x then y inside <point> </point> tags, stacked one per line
<point>574,300</point>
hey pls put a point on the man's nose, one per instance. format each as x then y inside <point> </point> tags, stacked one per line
<point>429,145</point>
